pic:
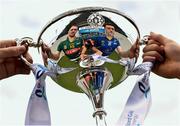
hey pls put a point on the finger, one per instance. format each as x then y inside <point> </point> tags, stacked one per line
<point>12,51</point>
<point>44,47</point>
<point>158,37</point>
<point>7,43</point>
<point>155,54</point>
<point>21,68</point>
<point>153,47</point>
<point>151,41</point>
<point>13,66</point>
<point>45,57</point>
<point>135,47</point>
<point>149,59</point>
<point>137,53</point>
<point>28,57</point>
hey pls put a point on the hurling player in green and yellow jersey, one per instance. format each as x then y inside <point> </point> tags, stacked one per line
<point>71,46</point>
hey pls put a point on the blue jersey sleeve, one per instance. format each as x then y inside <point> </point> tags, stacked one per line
<point>117,42</point>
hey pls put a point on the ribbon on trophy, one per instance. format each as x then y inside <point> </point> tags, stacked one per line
<point>37,112</point>
<point>55,68</point>
<point>139,101</point>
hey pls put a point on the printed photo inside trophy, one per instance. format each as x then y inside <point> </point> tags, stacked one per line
<point>91,50</point>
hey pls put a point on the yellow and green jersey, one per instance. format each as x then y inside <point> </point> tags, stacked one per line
<point>71,49</point>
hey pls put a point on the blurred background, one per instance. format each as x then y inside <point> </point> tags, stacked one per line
<point>19,18</point>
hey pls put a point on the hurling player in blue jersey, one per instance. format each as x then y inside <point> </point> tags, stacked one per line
<point>106,45</point>
<point>109,43</point>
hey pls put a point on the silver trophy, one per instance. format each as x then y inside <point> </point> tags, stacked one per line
<point>92,75</point>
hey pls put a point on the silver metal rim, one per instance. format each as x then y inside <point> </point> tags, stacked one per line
<point>87,9</point>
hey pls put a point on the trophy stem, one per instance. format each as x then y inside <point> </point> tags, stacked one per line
<point>94,82</point>
<point>99,113</point>
<point>100,120</point>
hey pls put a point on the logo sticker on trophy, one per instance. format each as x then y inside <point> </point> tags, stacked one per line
<point>96,48</point>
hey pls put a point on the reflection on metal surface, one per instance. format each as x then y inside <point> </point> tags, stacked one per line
<point>94,81</point>
<point>95,20</point>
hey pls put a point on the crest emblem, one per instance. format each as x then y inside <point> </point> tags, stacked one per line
<point>95,20</point>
